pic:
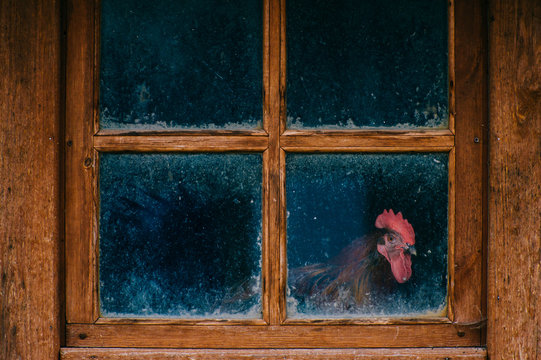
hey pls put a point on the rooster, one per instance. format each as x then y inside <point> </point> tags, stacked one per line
<point>371,264</point>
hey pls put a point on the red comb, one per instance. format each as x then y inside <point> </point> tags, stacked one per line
<point>388,220</point>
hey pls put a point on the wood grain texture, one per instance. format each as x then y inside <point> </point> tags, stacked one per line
<point>451,68</point>
<point>81,182</point>
<point>146,143</point>
<point>274,354</point>
<point>276,311</point>
<point>319,140</point>
<point>185,322</point>
<point>224,337</point>
<point>30,236</point>
<point>283,66</point>
<point>177,132</point>
<point>514,308</point>
<point>283,239</point>
<point>451,241</point>
<point>470,129</point>
<point>420,320</point>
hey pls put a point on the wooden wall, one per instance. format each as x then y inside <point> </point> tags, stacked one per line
<point>30,196</point>
<point>30,320</point>
<point>514,304</point>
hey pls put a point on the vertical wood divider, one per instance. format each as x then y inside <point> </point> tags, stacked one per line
<point>80,164</point>
<point>96,66</point>
<point>273,157</point>
<point>266,273</point>
<point>266,248</point>
<point>283,238</point>
<point>451,67</point>
<point>451,234</point>
<point>471,121</point>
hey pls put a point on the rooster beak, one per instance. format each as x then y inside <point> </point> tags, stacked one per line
<point>412,250</point>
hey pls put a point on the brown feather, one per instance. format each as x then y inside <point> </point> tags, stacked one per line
<point>345,280</point>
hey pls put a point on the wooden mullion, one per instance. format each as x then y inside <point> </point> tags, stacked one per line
<point>180,132</point>
<point>143,143</point>
<point>268,337</point>
<point>266,65</point>
<point>96,66</point>
<point>266,248</point>
<point>365,149</point>
<point>471,121</point>
<point>283,239</point>
<point>451,242</point>
<point>320,140</point>
<point>367,321</point>
<point>276,313</point>
<point>283,67</point>
<point>267,164</point>
<point>471,353</point>
<point>80,208</point>
<point>451,65</point>
<point>179,321</point>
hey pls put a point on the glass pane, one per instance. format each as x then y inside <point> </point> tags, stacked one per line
<point>355,64</point>
<point>181,64</point>
<point>180,235</point>
<point>348,254</point>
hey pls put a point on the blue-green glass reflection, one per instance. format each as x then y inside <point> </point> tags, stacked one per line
<point>180,64</point>
<point>180,234</point>
<point>333,201</point>
<point>354,64</point>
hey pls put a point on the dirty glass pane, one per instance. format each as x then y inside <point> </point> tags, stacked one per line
<point>180,64</point>
<point>341,262</point>
<point>355,64</point>
<point>180,235</point>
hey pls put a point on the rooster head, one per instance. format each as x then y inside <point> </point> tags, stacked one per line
<point>397,243</point>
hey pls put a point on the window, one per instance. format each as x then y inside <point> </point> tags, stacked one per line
<point>202,210</point>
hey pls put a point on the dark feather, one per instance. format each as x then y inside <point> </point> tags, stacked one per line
<point>347,280</point>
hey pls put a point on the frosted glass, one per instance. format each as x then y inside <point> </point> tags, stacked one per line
<point>362,64</point>
<point>335,199</point>
<point>181,64</point>
<point>180,234</point>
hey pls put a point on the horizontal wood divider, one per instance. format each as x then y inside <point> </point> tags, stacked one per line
<point>180,132</point>
<point>367,140</point>
<point>259,322</point>
<point>140,143</point>
<point>473,353</point>
<point>223,337</point>
<point>185,322</point>
<point>371,321</point>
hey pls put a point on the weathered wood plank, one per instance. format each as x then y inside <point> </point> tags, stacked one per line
<point>80,210</point>
<point>470,129</point>
<point>276,312</point>
<point>266,248</point>
<point>318,140</point>
<point>274,354</point>
<point>228,337</point>
<point>185,322</point>
<point>451,57</point>
<point>30,198</point>
<point>145,143</point>
<point>181,132</point>
<point>514,308</point>
<point>283,239</point>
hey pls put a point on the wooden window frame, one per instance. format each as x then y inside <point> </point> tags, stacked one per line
<point>464,141</point>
